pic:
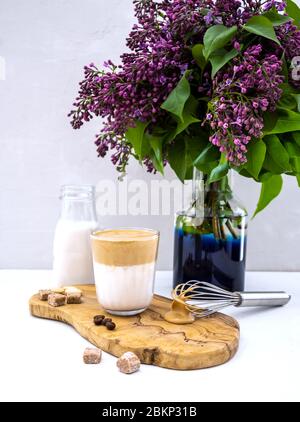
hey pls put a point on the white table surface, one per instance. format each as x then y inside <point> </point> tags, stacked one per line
<point>41,360</point>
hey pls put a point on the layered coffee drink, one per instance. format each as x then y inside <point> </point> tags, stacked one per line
<point>124,268</point>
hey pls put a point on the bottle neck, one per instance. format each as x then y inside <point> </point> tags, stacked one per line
<point>201,183</point>
<point>78,210</point>
<point>78,203</point>
<point>208,197</point>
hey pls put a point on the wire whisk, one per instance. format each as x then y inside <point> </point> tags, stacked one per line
<point>203,299</point>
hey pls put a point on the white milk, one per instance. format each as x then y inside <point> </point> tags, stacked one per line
<point>72,255</point>
<point>125,288</point>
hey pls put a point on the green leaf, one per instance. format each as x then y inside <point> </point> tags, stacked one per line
<point>177,158</point>
<point>294,154</point>
<point>292,149</point>
<point>156,143</point>
<point>255,157</point>
<point>198,145</point>
<point>135,136</point>
<point>276,18</point>
<point>297,98</point>
<point>293,11</point>
<point>295,162</point>
<point>216,37</point>
<point>260,25</point>
<point>287,88</point>
<point>204,99</point>
<point>277,152</point>
<point>243,172</point>
<point>197,52</point>
<point>157,164</point>
<point>298,179</point>
<point>188,117</point>
<point>218,172</point>
<point>288,121</point>
<point>221,57</point>
<point>296,137</point>
<point>207,168</point>
<point>189,173</point>
<point>288,101</point>
<point>270,120</point>
<point>270,189</point>
<point>175,102</point>
<point>189,165</point>
<point>271,166</point>
<point>264,176</point>
<point>210,153</point>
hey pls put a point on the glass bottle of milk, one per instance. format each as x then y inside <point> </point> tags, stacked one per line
<point>72,256</point>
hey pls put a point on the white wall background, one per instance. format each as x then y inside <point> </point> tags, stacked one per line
<point>45,44</point>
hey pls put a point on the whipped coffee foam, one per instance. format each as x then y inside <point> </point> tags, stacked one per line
<point>124,247</point>
<point>124,288</point>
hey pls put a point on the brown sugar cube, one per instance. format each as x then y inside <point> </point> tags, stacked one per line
<point>92,356</point>
<point>73,295</point>
<point>56,299</point>
<point>128,363</point>
<point>43,294</point>
<point>71,289</point>
<point>59,290</point>
<point>73,298</point>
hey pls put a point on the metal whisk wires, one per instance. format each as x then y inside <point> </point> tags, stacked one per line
<point>202,299</point>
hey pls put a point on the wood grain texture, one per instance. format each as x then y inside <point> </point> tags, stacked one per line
<point>206,342</point>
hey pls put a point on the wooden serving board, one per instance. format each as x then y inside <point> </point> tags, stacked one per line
<point>206,342</point>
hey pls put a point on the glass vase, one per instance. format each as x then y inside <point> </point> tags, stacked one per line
<point>211,236</point>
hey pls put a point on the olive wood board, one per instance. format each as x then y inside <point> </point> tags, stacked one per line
<point>206,342</point>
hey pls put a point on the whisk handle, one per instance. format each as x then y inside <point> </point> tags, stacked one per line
<point>263,299</point>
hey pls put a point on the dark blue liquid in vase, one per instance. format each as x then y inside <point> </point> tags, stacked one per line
<point>202,257</point>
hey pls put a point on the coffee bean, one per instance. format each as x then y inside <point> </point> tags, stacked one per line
<point>98,319</point>
<point>110,325</point>
<point>101,320</point>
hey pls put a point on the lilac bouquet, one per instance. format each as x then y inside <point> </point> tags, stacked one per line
<point>209,84</point>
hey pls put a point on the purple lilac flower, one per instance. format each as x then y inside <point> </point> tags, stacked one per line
<point>136,89</point>
<point>237,12</point>
<point>242,93</point>
<point>159,53</point>
<point>279,5</point>
<point>289,37</point>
